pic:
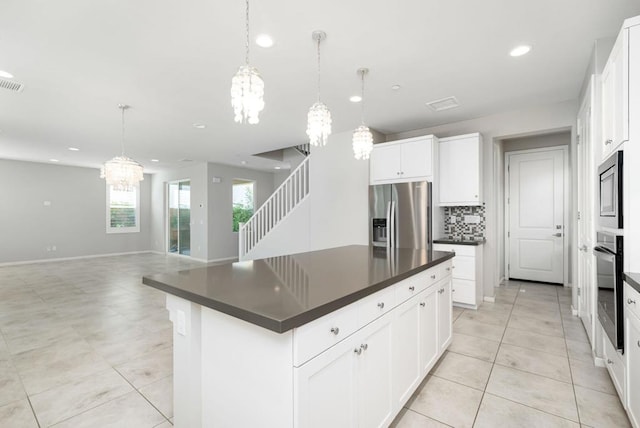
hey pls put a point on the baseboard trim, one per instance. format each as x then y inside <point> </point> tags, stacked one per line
<point>224,259</point>
<point>489,299</point>
<point>62,259</point>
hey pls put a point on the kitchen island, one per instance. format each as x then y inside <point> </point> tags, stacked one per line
<point>337,337</point>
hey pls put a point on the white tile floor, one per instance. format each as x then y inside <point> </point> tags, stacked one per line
<point>523,361</point>
<point>84,344</point>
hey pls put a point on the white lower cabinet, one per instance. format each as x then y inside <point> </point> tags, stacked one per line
<point>632,353</point>
<point>365,379</point>
<point>615,366</point>
<point>466,274</point>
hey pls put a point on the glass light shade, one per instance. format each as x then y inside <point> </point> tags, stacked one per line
<point>122,173</point>
<point>362,142</point>
<point>247,95</point>
<point>318,124</point>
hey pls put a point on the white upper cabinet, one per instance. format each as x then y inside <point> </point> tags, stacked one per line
<point>460,170</point>
<point>403,160</point>
<point>615,95</point>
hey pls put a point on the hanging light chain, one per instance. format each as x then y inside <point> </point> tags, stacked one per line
<point>247,31</point>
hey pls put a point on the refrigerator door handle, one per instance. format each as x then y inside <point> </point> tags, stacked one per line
<point>392,222</point>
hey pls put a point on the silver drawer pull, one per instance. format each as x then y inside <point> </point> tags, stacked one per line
<point>448,269</point>
<point>412,288</point>
<point>335,330</point>
<point>423,304</point>
<point>364,346</point>
<point>381,305</point>
<point>609,141</point>
<point>358,351</point>
<point>609,361</point>
<point>638,343</point>
<point>629,301</point>
<point>433,277</point>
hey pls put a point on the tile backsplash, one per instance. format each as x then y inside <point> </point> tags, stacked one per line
<point>461,229</point>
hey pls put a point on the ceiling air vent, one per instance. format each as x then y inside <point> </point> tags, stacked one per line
<point>444,104</point>
<point>12,86</point>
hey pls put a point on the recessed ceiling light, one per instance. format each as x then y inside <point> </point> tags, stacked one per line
<point>6,74</point>
<point>355,98</point>
<point>199,125</point>
<point>264,41</point>
<point>396,87</point>
<point>520,50</point>
<point>74,149</point>
<point>277,167</point>
<point>54,160</point>
<point>243,162</point>
<point>155,160</point>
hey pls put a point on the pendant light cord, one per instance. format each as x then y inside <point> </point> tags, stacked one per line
<point>362,72</point>
<point>319,38</point>
<point>123,108</point>
<point>247,31</point>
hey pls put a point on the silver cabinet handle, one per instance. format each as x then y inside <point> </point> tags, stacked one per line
<point>629,301</point>
<point>364,346</point>
<point>638,343</point>
<point>609,361</point>
<point>584,248</point>
<point>441,291</point>
<point>557,235</point>
<point>358,351</point>
<point>335,330</point>
<point>381,305</point>
<point>448,269</point>
<point>475,196</point>
<point>433,277</point>
<point>423,304</point>
<point>412,288</point>
<point>609,141</point>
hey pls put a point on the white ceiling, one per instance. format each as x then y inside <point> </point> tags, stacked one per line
<point>172,61</point>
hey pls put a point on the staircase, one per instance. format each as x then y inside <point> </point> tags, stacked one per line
<point>280,204</point>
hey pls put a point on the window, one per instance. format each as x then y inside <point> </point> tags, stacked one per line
<point>123,210</point>
<point>242,202</point>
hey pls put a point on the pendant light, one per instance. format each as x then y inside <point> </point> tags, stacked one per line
<point>319,116</point>
<point>362,137</point>
<point>121,172</point>
<point>247,87</point>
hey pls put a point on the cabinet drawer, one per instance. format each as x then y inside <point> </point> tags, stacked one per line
<point>460,250</point>
<point>412,286</point>
<point>311,339</point>
<point>463,291</point>
<point>377,304</point>
<point>632,300</point>
<point>464,267</point>
<point>615,365</point>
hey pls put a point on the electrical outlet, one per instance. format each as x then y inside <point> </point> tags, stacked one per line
<point>472,219</point>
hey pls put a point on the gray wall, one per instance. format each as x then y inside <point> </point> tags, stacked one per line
<point>212,237</point>
<point>75,222</point>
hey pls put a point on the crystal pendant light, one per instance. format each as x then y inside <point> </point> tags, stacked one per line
<point>247,88</point>
<point>319,116</point>
<point>121,172</point>
<point>362,137</point>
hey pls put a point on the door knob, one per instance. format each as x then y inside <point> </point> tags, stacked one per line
<point>335,330</point>
<point>609,141</point>
<point>583,248</point>
<point>557,235</point>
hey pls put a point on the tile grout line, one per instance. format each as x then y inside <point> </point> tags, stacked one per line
<point>573,385</point>
<point>142,395</point>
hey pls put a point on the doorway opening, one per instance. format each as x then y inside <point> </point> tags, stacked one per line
<point>242,201</point>
<point>536,208</point>
<point>179,216</point>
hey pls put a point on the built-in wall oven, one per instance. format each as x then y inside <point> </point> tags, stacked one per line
<point>610,197</point>
<point>609,258</point>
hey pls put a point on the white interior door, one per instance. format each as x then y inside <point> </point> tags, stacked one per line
<point>586,191</point>
<point>535,198</point>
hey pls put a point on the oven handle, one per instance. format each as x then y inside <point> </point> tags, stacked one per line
<point>604,253</point>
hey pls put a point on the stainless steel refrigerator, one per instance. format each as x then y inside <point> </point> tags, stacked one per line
<point>400,215</point>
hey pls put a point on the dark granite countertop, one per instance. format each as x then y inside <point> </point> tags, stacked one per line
<point>282,293</point>
<point>459,242</point>
<point>633,279</point>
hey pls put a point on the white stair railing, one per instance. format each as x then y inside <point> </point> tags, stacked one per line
<point>285,198</point>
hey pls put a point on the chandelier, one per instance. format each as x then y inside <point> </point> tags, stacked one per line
<point>362,137</point>
<point>319,116</point>
<point>121,172</point>
<point>247,87</point>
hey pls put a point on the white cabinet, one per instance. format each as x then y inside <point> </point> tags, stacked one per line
<point>632,353</point>
<point>615,95</point>
<point>466,274</point>
<point>615,365</point>
<point>403,160</point>
<point>460,170</point>
<point>445,310</point>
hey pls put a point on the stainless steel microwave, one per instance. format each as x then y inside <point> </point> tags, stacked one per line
<point>610,192</point>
